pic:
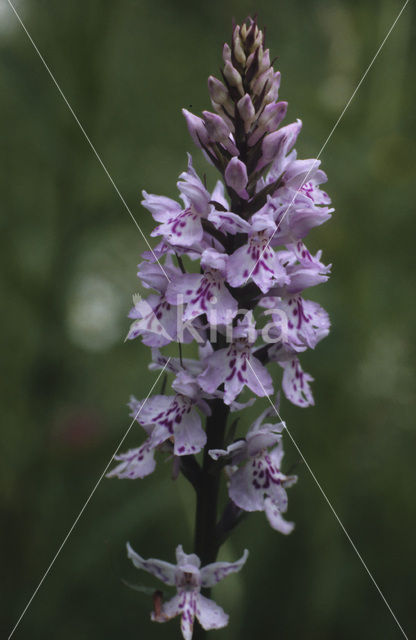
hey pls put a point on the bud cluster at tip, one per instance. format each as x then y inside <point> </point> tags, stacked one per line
<point>246,107</point>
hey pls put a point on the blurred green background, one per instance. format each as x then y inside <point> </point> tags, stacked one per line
<point>69,252</point>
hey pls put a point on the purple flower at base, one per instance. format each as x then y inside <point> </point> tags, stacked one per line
<point>259,485</point>
<point>188,577</point>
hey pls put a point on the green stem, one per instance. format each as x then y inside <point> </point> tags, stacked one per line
<point>207,542</point>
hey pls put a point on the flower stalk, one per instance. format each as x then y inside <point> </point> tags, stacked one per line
<point>207,541</point>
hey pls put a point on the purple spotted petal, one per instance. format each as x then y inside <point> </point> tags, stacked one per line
<point>297,323</point>
<point>213,573</point>
<point>257,424</point>
<point>302,278</point>
<point>296,222</point>
<point>174,417</point>
<point>183,230</point>
<point>210,614</point>
<point>259,379</point>
<point>257,261</point>
<point>155,321</point>
<point>155,409</point>
<point>189,435</point>
<point>135,463</point>
<point>185,559</point>
<point>174,365</point>
<point>242,490</point>
<point>136,407</point>
<point>264,438</point>
<point>295,384</point>
<point>188,578</point>
<point>161,208</point>
<point>152,276</point>
<point>164,571</point>
<point>203,294</point>
<point>230,366</point>
<point>170,609</point>
<point>186,384</point>
<point>237,451</point>
<point>188,607</point>
<point>228,222</point>
<point>213,376</point>
<point>193,191</point>
<point>276,519</point>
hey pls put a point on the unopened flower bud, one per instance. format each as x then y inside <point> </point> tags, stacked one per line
<point>258,39</point>
<point>236,177</point>
<point>216,127</point>
<point>250,60</point>
<point>220,109</point>
<point>272,115</point>
<point>219,131</point>
<point>259,54</point>
<point>261,80</point>
<point>275,114</point>
<point>277,144</point>
<point>246,110</point>
<point>217,90</point>
<point>269,120</point>
<point>233,77</point>
<point>270,148</point>
<point>226,53</point>
<point>196,128</point>
<point>238,50</point>
<point>273,91</point>
<point>251,42</point>
<point>264,60</point>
